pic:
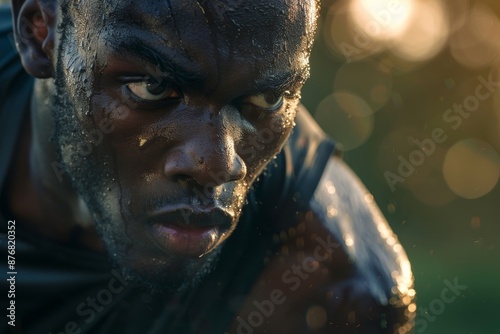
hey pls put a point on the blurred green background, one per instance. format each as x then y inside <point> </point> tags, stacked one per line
<point>385,75</point>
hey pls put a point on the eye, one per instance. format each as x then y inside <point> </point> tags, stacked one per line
<point>269,101</point>
<point>152,90</point>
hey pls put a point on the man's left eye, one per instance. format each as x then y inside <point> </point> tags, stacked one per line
<point>153,91</point>
<point>268,101</point>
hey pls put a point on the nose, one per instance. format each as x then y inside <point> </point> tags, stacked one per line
<point>206,156</point>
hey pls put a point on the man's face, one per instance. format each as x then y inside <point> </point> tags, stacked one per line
<point>167,111</point>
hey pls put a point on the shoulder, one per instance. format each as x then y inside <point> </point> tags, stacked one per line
<point>337,267</point>
<point>347,210</point>
<point>379,270</point>
<point>289,181</point>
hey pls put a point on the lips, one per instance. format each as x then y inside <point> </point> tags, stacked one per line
<point>187,230</point>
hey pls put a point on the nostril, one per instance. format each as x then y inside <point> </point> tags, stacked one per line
<point>204,163</point>
<point>182,178</point>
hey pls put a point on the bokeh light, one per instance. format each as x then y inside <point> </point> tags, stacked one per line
<point>412,30</point>
<point>375,88</point>
<point>316,317</point>
<point>476,43</point>
<point>435,66</point>
<point>471,168</point>
<point>346,117</point>
<point>426,33</point>
<point>343,40</point>
<point>400,153</point>
<point>381,19</point>
<point>495,118</point>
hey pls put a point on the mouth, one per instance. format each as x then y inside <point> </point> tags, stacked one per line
<point>188,231</point>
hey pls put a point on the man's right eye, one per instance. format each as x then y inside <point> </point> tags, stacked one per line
<point>151,90</point>
<point>267,101</point>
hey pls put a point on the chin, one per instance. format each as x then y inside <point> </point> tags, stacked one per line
<point>165,273</point>
<point>140,259</point>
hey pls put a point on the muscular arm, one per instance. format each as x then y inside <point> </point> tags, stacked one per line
<point>379,286</point>
<point>339,269</point>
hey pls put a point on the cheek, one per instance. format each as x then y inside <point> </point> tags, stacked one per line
<point>136,141</point>
<point>267,138</point>
<point>122,127</point>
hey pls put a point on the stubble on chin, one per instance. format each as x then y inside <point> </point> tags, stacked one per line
<point>159,277</point>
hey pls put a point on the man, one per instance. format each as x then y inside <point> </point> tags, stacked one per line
<point>160,135</point>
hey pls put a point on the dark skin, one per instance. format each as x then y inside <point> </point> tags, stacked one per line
<point>150,164</point>
<point>170,98</point>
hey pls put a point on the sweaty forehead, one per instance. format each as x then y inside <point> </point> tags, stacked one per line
<point>237,25</point>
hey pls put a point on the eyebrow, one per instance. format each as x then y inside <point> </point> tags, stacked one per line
<point>283,80</point>
<point>164,66</point>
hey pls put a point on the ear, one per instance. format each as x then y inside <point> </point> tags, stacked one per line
<point>34,22</point>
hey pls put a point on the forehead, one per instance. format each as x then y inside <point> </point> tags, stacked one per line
<point>256,29</point>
